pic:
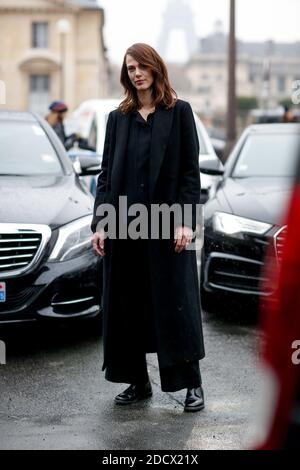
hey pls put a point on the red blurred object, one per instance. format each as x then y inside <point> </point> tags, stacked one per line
<point>280,321</point>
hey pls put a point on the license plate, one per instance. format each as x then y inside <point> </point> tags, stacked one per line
<point>2,291</point>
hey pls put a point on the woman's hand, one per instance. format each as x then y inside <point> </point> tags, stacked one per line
<point>183,237</point>
<point>98,242</point>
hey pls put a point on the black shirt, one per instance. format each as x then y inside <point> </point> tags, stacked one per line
<point>135,184</point>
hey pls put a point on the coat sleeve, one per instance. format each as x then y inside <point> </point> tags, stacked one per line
<point>190,186</point>
<point>102,178</point>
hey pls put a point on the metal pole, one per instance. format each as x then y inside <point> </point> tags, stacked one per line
<point>231,97</point>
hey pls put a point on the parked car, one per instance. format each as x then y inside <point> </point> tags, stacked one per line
<point>92,116</point>
<point>207,152</point>
<point>47,266</point>
<point>242,214</point>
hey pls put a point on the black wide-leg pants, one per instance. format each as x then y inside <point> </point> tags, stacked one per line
<point>172,378</point>
<point>133,276</point>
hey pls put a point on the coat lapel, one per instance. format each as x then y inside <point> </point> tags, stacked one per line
<point>122,131</point>
<point>162,123</point>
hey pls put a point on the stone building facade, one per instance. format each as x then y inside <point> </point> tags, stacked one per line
<point>264,70</point>
<point>51,49</point>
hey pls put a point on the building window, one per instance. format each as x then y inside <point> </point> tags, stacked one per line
<point>39,35</point>
<point>281,84</point>
<point>39,93</point>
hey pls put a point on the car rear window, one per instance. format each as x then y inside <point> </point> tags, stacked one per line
<point>25,149</point>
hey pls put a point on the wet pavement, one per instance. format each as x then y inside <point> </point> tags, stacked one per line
<point>54,395</point>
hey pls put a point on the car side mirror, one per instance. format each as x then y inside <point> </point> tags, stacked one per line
<point>84,144</point>
<point>211,166</point>
<point>85,162</point>
<point>89,165</point>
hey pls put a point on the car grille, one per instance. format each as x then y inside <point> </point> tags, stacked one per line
<point>279,240</point>
<point>235,274</point>
<point>20,247</point>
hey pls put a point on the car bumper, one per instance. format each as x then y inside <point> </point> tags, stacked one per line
<point>58,290</point>
<point>235,266</point>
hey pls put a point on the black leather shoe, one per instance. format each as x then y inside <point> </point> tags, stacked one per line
<point>194,400</point>
<point>134,393</point>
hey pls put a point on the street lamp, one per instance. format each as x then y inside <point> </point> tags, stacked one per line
<point>63,27</point>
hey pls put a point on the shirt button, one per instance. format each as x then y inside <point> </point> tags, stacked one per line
<point>142,185</point>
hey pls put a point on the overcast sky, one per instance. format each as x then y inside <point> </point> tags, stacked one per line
<point>130,21</point>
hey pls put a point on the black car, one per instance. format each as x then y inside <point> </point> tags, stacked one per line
<point>242,217</point>
<point>48,269</point>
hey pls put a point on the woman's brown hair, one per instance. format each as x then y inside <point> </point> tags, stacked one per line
<point>163,93</point>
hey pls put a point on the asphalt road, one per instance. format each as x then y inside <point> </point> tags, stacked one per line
<point>54,395</point>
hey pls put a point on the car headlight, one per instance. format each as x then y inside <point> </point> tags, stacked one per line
<point>73,240</point>
<point>233,225</point>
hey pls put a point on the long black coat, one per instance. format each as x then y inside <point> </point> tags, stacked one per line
<point>174,177</point>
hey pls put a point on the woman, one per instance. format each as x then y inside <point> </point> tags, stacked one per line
<point>151,295</point>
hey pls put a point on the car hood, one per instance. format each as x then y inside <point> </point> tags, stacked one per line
<point>263,199</point>
<point>50,200</point>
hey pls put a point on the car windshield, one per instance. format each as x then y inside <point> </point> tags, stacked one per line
<point>268,155</point>
<point>25,149</point>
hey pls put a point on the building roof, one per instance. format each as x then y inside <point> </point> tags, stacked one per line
<point>217,43</point>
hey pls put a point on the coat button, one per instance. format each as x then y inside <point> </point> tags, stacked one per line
<point>142,185</point>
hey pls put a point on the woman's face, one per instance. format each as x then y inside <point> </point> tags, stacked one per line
<point>140,76</point>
